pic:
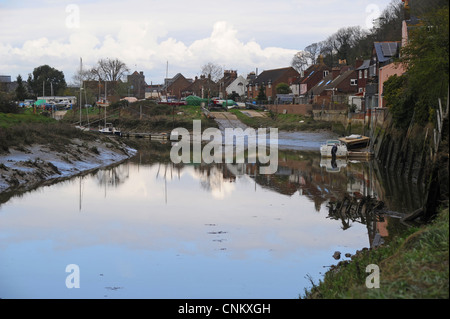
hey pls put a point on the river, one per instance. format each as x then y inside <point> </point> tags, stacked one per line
<point>148,228</point>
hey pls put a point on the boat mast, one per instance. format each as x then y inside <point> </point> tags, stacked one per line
<point>105,102</point>
<point>81,84</point>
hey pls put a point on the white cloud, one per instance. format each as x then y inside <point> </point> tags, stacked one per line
<point>136,45</point>
<point>241,35</point>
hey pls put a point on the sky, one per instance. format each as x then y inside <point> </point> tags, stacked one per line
<point>184,35</point>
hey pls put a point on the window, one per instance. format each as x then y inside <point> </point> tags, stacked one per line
<point>353,82</point>
<point>360,90</point>
<point>360,74</point>
<point>365,73</point>
<point>325,73</point>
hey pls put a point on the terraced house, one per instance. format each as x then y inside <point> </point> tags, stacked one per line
<point>269,80</point>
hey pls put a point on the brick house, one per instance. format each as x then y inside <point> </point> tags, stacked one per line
<point>269,79</point>
<point>203,87</point>
<point>311,77</point>
<point>228,77</point>
<point>336,86</point>
<point>363,75</point>
<point>175,86</point>
<point>383,54</point>
<point>137,85</point>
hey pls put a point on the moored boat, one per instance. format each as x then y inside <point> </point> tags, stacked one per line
<point>110,130</point>
<point>355,141</point>
<point>326,149</point>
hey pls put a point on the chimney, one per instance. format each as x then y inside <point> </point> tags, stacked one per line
<point>358,63</point>
<point>321,59</point>
<point>336,71</point>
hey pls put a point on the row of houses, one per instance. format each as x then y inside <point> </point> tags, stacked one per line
<point>358,83</point>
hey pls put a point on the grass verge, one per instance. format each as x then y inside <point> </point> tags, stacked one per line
<point>413,266</point>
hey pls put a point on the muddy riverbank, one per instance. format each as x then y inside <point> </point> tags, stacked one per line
<point>26,167</point>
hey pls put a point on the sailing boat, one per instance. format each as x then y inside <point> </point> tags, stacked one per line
<point>108,128</point>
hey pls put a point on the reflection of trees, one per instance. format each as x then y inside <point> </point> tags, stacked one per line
<point>113,177</point>
<point>213,176</point>
<point>365,210</point>
<point>303,173</point>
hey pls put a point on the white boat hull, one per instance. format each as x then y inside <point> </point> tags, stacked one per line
<point>326,149</point>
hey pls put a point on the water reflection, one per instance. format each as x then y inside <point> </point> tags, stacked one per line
<point>159,230</point>
<point>322,181</point>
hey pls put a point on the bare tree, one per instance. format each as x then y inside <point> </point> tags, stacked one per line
<point>213,70</point>
<point>109,70</point>
<point>301,60</point>
<point>313,50</point>
<point>83,75</point>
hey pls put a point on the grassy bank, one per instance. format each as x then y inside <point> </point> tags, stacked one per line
<point>25,129</point>
<point>142,116</point>
<point>13,119</point>
<point>412,266</point>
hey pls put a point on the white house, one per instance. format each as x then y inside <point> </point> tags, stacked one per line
<point>239,86</point>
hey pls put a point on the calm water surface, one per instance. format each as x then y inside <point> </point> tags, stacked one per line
<point>149,229</point>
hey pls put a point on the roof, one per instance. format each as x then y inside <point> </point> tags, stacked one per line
<point>329,83</point>
<point>239,79</point>
<point>271,75</point>
<point>316,68</point>
<point>386,50</point>
<point>168,82</point>
<point>365,65</point>
<point>320,87</point>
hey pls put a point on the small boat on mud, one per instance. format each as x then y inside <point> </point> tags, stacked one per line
<point>110,130</point>
<point>326,149</point>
